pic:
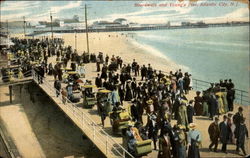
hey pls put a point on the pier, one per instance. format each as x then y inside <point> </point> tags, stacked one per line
<point>108,145</point>
<point>141,28</point>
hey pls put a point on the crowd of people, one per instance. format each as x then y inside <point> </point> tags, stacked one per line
<point>162,97</point>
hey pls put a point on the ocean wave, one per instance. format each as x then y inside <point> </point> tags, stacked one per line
<point>163,39</point>
<point>220,43</point>
<point>152,37</point>
<point>154,51</point>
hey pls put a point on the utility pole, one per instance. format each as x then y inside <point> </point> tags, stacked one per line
<point>51,25</point>
<point>24,26</point>
<point>86,25</point>
<point>7,23</point>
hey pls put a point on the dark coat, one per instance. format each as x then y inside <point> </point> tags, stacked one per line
<point>134,112</point>
<point>128,95</point>
<point>98,82</point>
<point>213,106</point>
<point>164,147</point>
<point>143,71</point>
<point>152,130</point>
<point>241,133</point>
<point>237,118</point>
<point>57,85</point>
<point>214,131</point>
<point>198,105</point>
<point>190,113</point>
<point>224,132</point>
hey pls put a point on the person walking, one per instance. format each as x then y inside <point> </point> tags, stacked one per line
<point>57,86</point>
<point>224,134</point>
<point>152,128</point>
<point>214,134</point>
<point>238,117</point>
<point>241,133</point>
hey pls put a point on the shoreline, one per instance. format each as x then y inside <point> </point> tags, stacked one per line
<point>120,44</point>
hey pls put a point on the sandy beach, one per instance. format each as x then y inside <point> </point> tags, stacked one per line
<point>120,45</point>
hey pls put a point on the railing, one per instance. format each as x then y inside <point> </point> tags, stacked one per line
<point>84,121</point>
<point>14,77</point>
<point>241,96</point>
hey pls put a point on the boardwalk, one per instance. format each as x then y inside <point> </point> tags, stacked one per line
<point>86,121</point>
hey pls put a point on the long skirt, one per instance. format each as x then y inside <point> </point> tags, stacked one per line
<point>193,151</point>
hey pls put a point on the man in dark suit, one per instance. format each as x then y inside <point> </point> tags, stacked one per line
<point>143,72</point>
<point>152,128</point>
<point>98,81</point>
<point>238,117</point>
<point>224,134</point>
<point>190,111</point>
<point>214,134</point>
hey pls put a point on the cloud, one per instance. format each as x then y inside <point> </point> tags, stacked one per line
<point>239,13</point>
<point>152,15</point>
<point>18,5</point>
<point>17,16</point>
<point>70,5</point>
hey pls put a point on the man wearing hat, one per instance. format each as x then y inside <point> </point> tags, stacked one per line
<point>224,134</point>
<point>150,106</point>
<point>214,134</point>
<point>194,140</point>
<point>238,117</point>
<point>241,133</point>
<point>134,110</point>
<point>152,128</point>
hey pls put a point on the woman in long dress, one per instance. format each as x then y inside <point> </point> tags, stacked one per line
<point>194,141</point>
<point>198,104</point>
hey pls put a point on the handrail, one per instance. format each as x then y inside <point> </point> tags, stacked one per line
<point>29,72</point>
<point>98,133</point>
<point>241,96</point>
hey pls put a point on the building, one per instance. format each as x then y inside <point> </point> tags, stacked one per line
<point>121,21</point>
<point>5,42</point>
<point>106,24</point>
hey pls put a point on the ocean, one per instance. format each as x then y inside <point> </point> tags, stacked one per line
<point>209,54</point>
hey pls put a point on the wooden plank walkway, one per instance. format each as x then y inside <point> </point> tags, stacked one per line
<point>86,120</point>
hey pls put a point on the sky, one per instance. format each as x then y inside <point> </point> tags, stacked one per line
<point>133,11</point>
